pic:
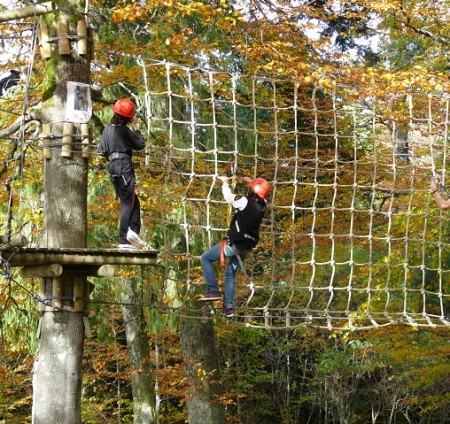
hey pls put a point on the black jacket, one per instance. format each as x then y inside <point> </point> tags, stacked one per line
<point>244,227</point>
<point>120,139</point>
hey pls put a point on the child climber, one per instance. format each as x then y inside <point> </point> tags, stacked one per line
<point>242,236</point>
<point>118,143</point>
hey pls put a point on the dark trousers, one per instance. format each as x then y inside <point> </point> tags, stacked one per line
<point>130,208</point>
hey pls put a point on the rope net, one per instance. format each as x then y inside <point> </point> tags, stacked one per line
<point>352,237</point>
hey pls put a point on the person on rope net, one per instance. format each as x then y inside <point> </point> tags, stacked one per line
<point>8,79</point>
<point>118,142</point>
<point>442,203</point>
<point>242,237</point>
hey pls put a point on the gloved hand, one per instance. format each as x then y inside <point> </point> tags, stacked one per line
<point>224,179</point>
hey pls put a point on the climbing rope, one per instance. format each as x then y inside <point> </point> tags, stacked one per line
<point>333,247</point>
<point>349,239</point>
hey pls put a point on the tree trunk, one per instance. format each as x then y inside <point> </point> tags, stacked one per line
<point>57,370</point>
<point>144,403</point>
<point>57,374</point>
<point>202,369</point>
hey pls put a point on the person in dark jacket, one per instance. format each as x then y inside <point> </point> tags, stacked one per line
<point>242,236</point>
<point>118,142</point>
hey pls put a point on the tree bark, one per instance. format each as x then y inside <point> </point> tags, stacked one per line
<point>57,370</point>
<point>144,402</point>
<point>202,369</point>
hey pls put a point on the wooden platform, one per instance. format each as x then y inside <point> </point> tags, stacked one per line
<point>30,256</point>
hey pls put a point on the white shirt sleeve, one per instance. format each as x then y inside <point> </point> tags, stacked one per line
<point>229,197</point>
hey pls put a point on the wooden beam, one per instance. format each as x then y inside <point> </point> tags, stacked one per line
<point>105,271</point>
<point>91,270</point>
<point>55,270</point>
<point>13,242</point>
<point>27,12</point>
<point>52,270</point>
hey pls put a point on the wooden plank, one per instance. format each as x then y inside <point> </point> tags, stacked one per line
<point>22,259</point>
<point>46,47</point>
<point>63,42</point>
<point>85,140</point>
<point>82,257</point>
<point>82,41</point>
<point>67,140</point>
<point>46,152</point>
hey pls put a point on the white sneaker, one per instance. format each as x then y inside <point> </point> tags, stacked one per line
<point>135,240</point>
<point>126,247</point>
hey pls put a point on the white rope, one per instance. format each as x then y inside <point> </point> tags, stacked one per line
<point>351,238</point>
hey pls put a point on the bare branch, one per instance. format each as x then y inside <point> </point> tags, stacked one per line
<point>26,120</point>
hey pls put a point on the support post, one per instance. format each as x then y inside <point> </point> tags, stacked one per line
<point>46,47</point>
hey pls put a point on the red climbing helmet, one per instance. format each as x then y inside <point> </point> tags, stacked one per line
<point>261,187</point>
<point>124,107</point>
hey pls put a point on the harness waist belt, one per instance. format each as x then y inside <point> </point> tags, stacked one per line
<point>118,155</point>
